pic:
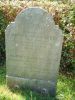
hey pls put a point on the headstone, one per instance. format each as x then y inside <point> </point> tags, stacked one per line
<point>33,51</point>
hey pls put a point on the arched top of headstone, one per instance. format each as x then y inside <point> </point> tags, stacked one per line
<point>34,18</point>
<point>34,12</point>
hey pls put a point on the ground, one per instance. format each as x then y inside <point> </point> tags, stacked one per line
<point>65,90</point>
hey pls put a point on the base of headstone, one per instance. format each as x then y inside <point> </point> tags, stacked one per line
<point>40,86</point>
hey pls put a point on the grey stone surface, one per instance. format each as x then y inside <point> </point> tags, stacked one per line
<point>33,50</point>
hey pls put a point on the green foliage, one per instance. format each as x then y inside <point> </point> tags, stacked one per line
<point>67,63</point>
<point>3,24</point>
<point>67,24</point>
<point>71,16</point>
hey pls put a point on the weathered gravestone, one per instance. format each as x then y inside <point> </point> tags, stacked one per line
<point>33,50</point>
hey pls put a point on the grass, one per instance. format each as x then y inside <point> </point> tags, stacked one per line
<point>65,90</point>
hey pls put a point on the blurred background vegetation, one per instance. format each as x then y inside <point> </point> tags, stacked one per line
<point>63,12</point>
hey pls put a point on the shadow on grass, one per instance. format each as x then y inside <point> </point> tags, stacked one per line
<point>33,95</point>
